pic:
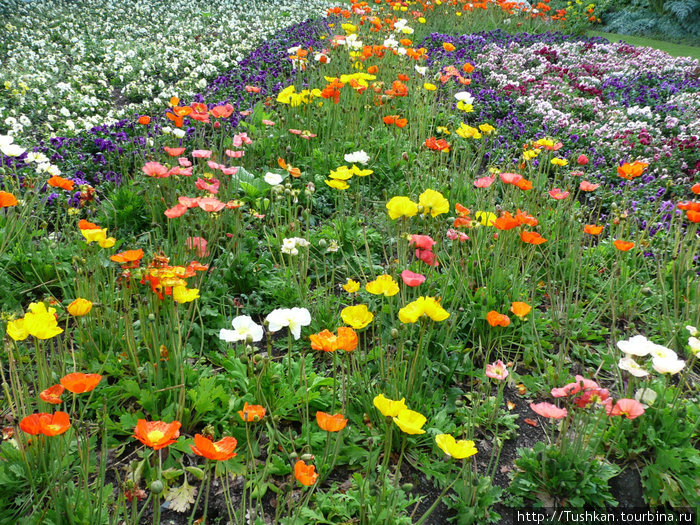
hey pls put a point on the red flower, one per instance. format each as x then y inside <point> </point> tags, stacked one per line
<point>582,160</point>
<point>424,242</point>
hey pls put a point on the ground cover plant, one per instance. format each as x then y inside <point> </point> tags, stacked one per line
<point>398,265</point>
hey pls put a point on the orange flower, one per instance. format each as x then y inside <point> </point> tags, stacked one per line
<point>79,383</point>
<point>54,424</point>
<point>524,218</point>
<point>60,182</point>
<point>7,200</point>
<point>402,77</point>
<point>623,246</point>
<point>592,229</point>
<point>467,68</point>
<point>630,171</point>
<point>305,474</point>
<point>506,222</point>
<point>329,423</point>
<point>128,258</point>
<point>294,172</point>
<point>53,394</point>
<point>693,216</point>
<point>329,342</point>
<point>372,70</point>
<point>85,225</point>
<point>32,424</point>
<point>157,434</point>
<point>532,238</point>
<point>215,450</point>
<point>251,412</point>
<point>448,47</point>
<point>695,188</point>
<point>496,319</point>
<point>520,309</point>
<point>524,184</point>
<point>347,339</point>
<point>144,120</point>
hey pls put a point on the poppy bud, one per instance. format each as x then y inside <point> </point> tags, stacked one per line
<point>394,333</point>
<point>288,149</point>
<point>293,455</point>
<point>157,486</point>
<point>217,125</point>
<point>459,403</point>
<point>407,487</point>
<point>151,317</point>
<point>646,291</point>
<point>307,457</point>
<point>322,243</point>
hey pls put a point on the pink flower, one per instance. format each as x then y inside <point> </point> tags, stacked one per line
<point>234,154</point>
<point>587,186</point>
<point>511,178</point>
<point>198,244</point>
<point>242,138</point>
<point>548,410</point>
<point>268,122</point>
<point>184,162</point>
<point>497,370</point>
<point>597,395</point>
<point>558,194</point>
<point>174,152</point>
<point>212,187</point>
<point>201,153</point>
<point>577,173</point>
<point>155,169</point>
<point>252,89</point>
<point>453,235</point>
<point>424,242</point>
<point>427,257</point>
<point>575,388</point>
<point>229,171</point>
<point>210,204</point>
<point>246,112</point>
<point>412,279</point>
<point>176,211</point>
<point>630,408</point>
<point>177,170</point>
<point>484,182</point>
<point>190,202</point>
<point>215,165</point>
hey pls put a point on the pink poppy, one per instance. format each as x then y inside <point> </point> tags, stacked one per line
<point>229,171</point>
<point>252,89</point>
<point>210,204</point>
<point>210,185</point>
<point>484,182</point>
<point>268,122</point>
<point>412,279</point>
<point>177,170</point>
<point>427,257</point>
<point>234,154</point>
<point>497,370</point>
<point>424,242</point>
<point>597,395</point>
<point>202,153</point>
<point>184,162</point>
<point>176,211</point>
<point>200,116</point>
<point>155,169</point>
<point>224,111</point>
<point>240,139</point>
<point>198,244</point>
<point>587,186</point>
<point>453,235</point>
<point>215,165</point>
<point>574,388</point>
<point>174,152</point>
<point>189,201</point>
<point>558,194</point>
<point>511,178</point>
<point>630,408</point>
<point>246,113</point>
<point>577,173</point>
<point>548,410</point>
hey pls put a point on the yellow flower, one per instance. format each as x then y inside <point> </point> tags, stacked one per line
<point>541,143</point>
<point>360,172</point>
<point>182,294</point>
<point>401,207</point>
<point>429,87</point>
<point>389,407</point>
<point>457,449</point>
<point>285,96</point>
<point>349,28</point>
<point>467,132</point>
<point>16,330</point>
<point>485,217</point>
<point>357,316</point>
<point>530,154</point>
<point>559,162</point>
<point>443,129</point>
<point>487,128</point>
<point>337,184</point>
<point>351,286</point>
<point>421,20</point>
<point>341,173</point>
<point>434,203</point>
<point>423,306</point>
<point>107,243</point>
<point>410,422</point>
<point>79,307</point>
<point>40,322</point>
<point>95,235</point>
<point>383,285</point>
<point>467,108</point>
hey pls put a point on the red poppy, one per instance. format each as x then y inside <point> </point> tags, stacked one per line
<point>79,383</point>
<point>582,160</point>
<point>524,218</point>
<point>157,434</point>
<point>305,474</point>
<point>215,450</point>
<point>412,279</point>
<point>424,242</point>
<point>32,423</point>
<point>331,423</point>
<point>155,169</point>
<point>52,394</point>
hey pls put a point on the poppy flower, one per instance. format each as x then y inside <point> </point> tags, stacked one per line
<point>695,188</point>
<point>592,229</point>
<point>630,171</point>
<point>424,242</point>
<point>351,286</point>
<point>437,144</point>
<point>60,182</point>
<point>215,450</point>
<point>693,216</point>
<point>587,186</point>
<point>532,238</point>
<point>201,153</point>
<point>251,412</point>
<point>383,285</point>
<point>496,319</point>
<point>506,222</point>
<point>331,423</point>
<point>210,185</point>
<point>582,160</point>
<point>128,258</point>
<point>52,394</point>
<point>457,449</point>
<point>410,421</point>
<point>210,204</point>
<point>448,47</point>
<point>524,218</point>
<point>558,194</point>
<point>571,389</point>
<point>157,434</point>
<point>252,89</point>
<point>54,424</point>
<point>412,279</point>
<point>510,178</point>
<point>428,306</point>
<point>174,152</point>
<point>433,202</point>
<point>401,207</point>
<point>497,370</point>
<point>357,316</point>
<point>389,407</point>
<point>305,474</point>
<point>294,172</point>
<point>484,182</point>
<point>79,383</point>
<point>630,408</point>
<point>155,169</point>
<point>520,309</point>
<point>32,424</point>
<point>548,410</point>
<point>144,120</point>
<point>7,200</point>
<point>623,246</point>
<point>223,111</point>
<point>597,395</point>
<point>524,184</point>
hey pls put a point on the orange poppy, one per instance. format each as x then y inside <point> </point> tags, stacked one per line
<point>79,383</point>
<point>60,182</point>
<point>294,172</point>
<point>372,70</point>
<point>524,184</point>
<point>347,339</point>
<point>693,216</point>
<point>174,152</point>
<point>224,111</point>
<point>398,89</point>
<point>623,246</point>
<point>324,340</point>
<point>506,222</point>
<point>403,77</point>
<point>305,474</point>
<point>689,205</point>
<point>695,188</point>
<point>32,424</point>
<point>53,394</point>
<point>177,120</point>
<point>592,229</point>
<point>54,424</point>
<point>7,200</point>
<point>251,412</point>
<point>532,238</point>
<point>85,225</point>
<point>157,434</point>
<point>331,423</point>
<point>448,47</point>
<point>128,258</point>
<point>630,171</point>
<point>520,309</point>
<point>467,68</point>
<point>216,450</point>
<point>496,319</point>
<point>144,120</point>
<point>524,218</point>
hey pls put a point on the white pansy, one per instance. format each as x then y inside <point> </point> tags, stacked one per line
<point>628,364</point>
<point>357,157</point>
<point>292,318</point>
<point>244,330</point>
<point>273,179</point>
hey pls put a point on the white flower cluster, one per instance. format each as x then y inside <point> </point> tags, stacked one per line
<point>72,65</point>
<point>290,245</point>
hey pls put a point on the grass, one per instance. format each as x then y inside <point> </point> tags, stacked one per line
<point>676,50</point>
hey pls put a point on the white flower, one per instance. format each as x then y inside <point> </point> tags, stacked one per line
<point>637,345</point>
<point>289,247</point>
<point>661,352</point>
<point>694,344</point>
<point>179,133</point>
<point>357,157</point>
<point>668,366</point>
<point>630,365</point>
<point>646,396</point>
<point>273,179</point>
<point>6,140</point>
<point>422,70</point>
<point>12,150</point>
<point>293,318</point>
<point>465,96</point>
<point>53,170</point>
<point>36,156</point>
<point>693,331</point>
<point>245,330</point>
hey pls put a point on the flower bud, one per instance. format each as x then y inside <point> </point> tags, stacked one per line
<point>157,486</point>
